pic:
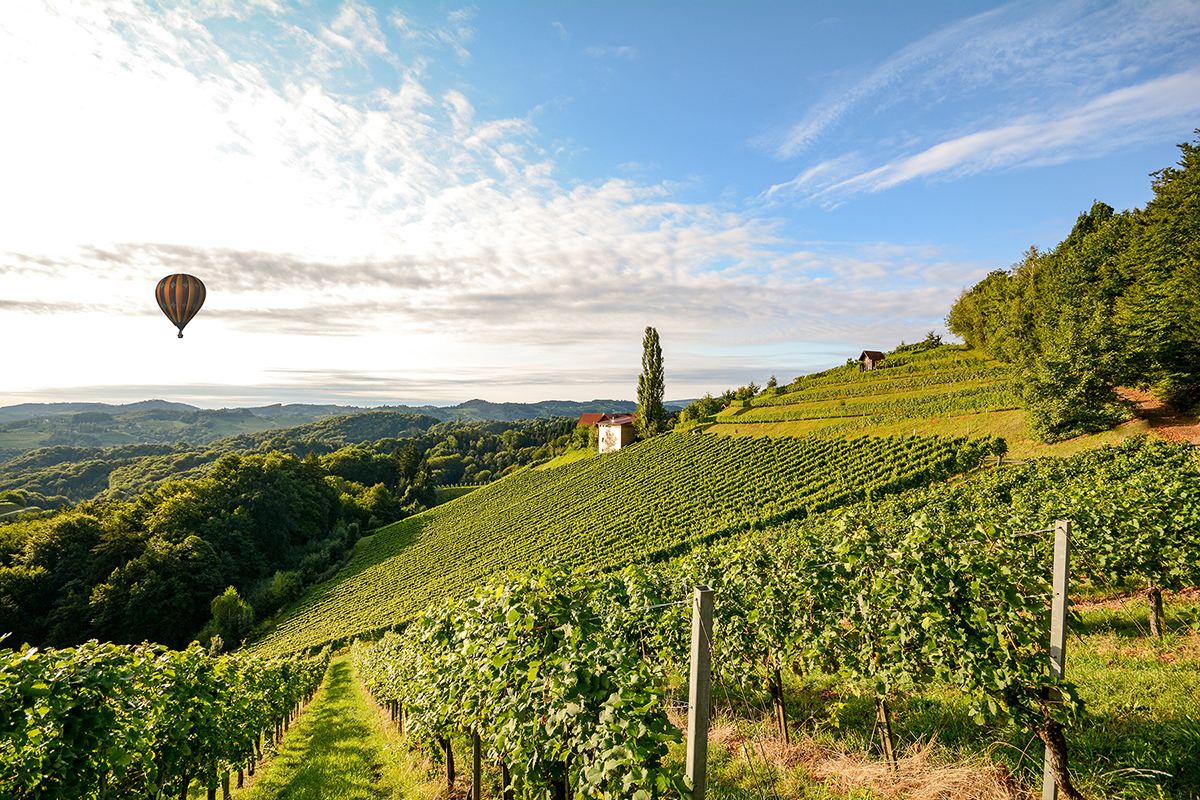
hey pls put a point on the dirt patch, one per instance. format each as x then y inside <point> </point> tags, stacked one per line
<point>1164,420</point>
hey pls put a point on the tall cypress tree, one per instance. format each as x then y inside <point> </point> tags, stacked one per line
<point>650,387</point>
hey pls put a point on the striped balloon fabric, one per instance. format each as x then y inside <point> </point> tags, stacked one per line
<point>180,297</point>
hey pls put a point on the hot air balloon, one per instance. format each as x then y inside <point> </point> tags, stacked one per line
<point>180,297</point>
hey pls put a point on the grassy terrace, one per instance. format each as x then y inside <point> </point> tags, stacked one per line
<point>1139,737</point>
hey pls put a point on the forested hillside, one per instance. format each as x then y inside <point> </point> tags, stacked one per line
<point>38,425</point>
<point>31,426</point>
<point>1116,303</point>
<point>473,453</point>
<point>152,555</point>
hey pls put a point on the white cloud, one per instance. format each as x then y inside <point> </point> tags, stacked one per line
<point>1125,117</point>
<point>609,51</point>
<point>356,28</point>
<point>1110,74</point>
<point>342,230</point>
<point>456,33</point>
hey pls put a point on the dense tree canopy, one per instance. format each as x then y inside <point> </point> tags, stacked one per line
<point>1115,303</point>
<point>235,541</point>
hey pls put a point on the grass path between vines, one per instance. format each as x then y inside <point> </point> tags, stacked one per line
<point>340,748</point>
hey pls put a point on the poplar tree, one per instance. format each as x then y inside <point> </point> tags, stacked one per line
<point>650,387</point>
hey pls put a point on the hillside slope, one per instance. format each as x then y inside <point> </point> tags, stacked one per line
<point>949,390</point>
<point>643,502</point>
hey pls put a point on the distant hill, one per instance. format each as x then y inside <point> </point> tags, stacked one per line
<point>481,410</point>
<point>31,410</point>
<point>335,432</point>
<point>30,426</point>
<point>50,476</point>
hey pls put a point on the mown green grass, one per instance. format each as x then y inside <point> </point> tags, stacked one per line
<point>569,457</point>
<point>340,748</point>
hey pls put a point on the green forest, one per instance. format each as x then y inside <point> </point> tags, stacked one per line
<point>1116,303</point>
<point>167,543</point>
<point>32,426</point>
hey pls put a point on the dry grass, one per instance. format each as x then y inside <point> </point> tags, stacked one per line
<point>921,774</point>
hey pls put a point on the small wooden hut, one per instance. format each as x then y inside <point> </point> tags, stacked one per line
<point>869,360</point>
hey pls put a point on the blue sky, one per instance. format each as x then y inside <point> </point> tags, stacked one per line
<point>425,202</point>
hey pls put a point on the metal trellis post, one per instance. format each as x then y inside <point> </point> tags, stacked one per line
<point>699,691</point>
<point>1058,629</point>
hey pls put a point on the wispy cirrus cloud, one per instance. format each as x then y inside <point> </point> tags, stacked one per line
<point>1109,75</point>
<point>1129,116</point>
<point>456,32</point>
<point>623,51</point>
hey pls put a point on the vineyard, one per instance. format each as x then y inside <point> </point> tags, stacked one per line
<point>110,721</point>
<point>895,588</point>
<point>562,676</point>
<point>920,386</point>
<point>996,396</point>
<point>646,502</point>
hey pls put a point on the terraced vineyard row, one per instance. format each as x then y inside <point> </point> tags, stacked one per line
<point>862,388</point>
<point>990,396</point>
<point>949,357</point>
<point>640,504</point>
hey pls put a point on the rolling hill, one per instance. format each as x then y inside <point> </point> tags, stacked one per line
<point>929,413</point>
<point>949,390</point>
<point>644,502</point>
<point>30,426</point>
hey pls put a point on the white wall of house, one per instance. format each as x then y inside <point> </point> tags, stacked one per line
<point>614,437</point>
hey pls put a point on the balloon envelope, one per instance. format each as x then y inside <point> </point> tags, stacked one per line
<point>180,297</point>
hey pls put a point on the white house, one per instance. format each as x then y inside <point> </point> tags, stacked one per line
<point>615,432</point>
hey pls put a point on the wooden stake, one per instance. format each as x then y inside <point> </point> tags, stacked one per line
<point>476,767</point>
<point>883,716</point>
<point>506,779</point>
<point>449,763</point>
<point>1154,596</point>
<point>779,706</point>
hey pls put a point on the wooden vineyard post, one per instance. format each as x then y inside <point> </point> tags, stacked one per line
<point>777,702</point>
<point>506,779</point>
<point>449,764</point>
<point>476,767</point>
<point>1058,632</point>
<point>699,691</point>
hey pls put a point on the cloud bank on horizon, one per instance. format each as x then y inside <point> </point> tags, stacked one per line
<point>373,226</point>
